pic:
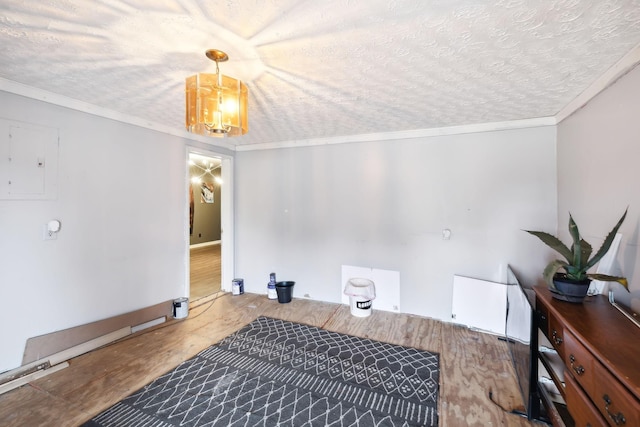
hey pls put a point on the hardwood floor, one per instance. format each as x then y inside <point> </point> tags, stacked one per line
<point>205,271</point>
<point>472,363</point>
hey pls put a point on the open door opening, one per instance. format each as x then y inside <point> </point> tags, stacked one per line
<point>205,225</point>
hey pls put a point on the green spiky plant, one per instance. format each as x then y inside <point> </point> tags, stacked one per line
<point>577,261</point>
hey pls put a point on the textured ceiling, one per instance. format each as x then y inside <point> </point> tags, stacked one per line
<point>322,69</point>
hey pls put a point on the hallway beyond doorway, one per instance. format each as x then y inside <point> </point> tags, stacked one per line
<point>205,271</point>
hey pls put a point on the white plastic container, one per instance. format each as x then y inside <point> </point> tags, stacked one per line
<point>237,287</point>
<point>271,287</point>
<point>180,308</point>
<point>361,294</point>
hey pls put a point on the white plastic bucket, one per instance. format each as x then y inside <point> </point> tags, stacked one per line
<point>180,308</point>
<point>360,306</point>
<point>361,293</point>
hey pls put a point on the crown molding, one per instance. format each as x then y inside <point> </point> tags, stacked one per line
<point>619,69</point>
<point>409,134</point>
<point>74,104</point>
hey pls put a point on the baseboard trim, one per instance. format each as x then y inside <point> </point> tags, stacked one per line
<point>44,346</point>
<point>43,367</point>
<point>32,370</point>
<point>202,245</point>
<point>18,382</point>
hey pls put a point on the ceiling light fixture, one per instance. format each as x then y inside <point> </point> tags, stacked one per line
<point>205,171</point>
<point>216,104</point>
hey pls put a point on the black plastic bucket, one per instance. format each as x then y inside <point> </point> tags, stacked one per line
<point>284,291</point>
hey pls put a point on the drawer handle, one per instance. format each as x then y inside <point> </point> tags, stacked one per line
<point>557,339</point>
<point>577,369</point>
<point>616,418</point>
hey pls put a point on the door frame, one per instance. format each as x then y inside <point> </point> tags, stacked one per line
<point>227,239</point>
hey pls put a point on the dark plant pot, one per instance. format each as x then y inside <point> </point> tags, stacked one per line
<point>569,290</point>
<point>284,291</point>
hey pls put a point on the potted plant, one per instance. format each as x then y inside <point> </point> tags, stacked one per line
<point>573,284</point>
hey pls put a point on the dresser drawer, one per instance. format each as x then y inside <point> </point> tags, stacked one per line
<point>584,413</point>
<point>616,404</point>
<point>556,335</point>
<point>579,362</point>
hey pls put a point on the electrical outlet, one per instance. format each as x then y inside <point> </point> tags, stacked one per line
<point>47,234</point>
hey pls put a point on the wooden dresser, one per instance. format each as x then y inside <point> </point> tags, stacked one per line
<point>598,349</point>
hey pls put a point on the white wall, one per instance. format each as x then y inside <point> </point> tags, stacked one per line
<point>123,207</point>
<point>599,171</point>
<point>299,212</point>
<point>304,212</point>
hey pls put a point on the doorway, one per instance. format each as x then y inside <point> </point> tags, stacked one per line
<point>205,225</point>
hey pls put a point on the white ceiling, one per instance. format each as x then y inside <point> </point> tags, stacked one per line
<point>320,69</point>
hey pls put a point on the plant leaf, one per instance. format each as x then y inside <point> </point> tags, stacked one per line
<point>607,243</point>
<point>576,249</point>
<point>586,253</point>
<point>575,273</point>
<point>551,269</point>
<point>554,243</point>
<point>607,278</point>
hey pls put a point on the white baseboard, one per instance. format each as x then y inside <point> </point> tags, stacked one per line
<point>18,382</point>
<point>57,361</point>
<point>202,245</point>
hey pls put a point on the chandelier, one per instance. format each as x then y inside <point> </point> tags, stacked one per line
<point>216,104</point>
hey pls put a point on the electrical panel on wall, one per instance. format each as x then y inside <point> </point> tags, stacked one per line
<point>28,161</point>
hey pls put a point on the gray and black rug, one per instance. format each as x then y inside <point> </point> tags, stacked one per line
<point>278,373</point>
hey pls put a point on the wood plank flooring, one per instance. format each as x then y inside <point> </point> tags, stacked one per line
<point>472,363</point>
<point>204,271</point>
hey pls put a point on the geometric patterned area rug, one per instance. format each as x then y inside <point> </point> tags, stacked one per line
<point>278,373</point>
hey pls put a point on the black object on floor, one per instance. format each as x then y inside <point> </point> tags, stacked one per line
<point>284,291</point>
